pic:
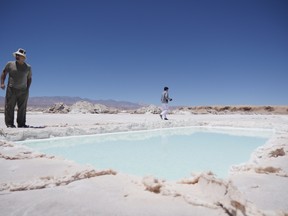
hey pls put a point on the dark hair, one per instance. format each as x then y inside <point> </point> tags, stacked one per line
<point>166,88</point>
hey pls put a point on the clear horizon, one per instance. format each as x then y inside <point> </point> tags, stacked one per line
<point>146,104</point>
<point>207,52</point>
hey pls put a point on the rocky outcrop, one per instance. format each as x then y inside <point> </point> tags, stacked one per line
<point>58,108</point>
<point>149,109</point>
<point>87,107</point>
<point>80,107</point>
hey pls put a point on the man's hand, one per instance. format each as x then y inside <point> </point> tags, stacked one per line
<point>2,81</point>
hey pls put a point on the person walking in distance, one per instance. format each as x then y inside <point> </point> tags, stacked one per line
<point>164,100</point>
<point>17,93</point>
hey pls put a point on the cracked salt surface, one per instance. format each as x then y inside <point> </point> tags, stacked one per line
<point>257,187</point>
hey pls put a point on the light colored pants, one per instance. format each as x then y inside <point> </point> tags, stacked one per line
<point>165,109</point>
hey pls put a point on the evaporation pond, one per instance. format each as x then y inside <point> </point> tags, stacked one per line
<point>169,154</point>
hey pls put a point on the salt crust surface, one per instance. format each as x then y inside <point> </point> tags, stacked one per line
<point>32,183</point>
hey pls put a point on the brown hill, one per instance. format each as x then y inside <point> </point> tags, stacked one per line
<point>240,109</point>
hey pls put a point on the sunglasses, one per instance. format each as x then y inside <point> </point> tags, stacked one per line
<point>22,51</point>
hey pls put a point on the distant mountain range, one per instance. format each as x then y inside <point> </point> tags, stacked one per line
<point>45,102</point>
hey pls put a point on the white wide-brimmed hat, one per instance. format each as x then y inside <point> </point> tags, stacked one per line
<point>21,52</point>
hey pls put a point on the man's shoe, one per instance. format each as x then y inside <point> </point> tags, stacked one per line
<point>165,119</point>
<point>160,116</point>
<point>23,126</point>
<point>11,126</point>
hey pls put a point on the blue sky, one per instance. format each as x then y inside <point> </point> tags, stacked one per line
<point>208,52</point>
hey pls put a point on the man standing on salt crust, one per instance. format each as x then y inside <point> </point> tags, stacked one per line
<point>20,78</point>
<point>165,99</point>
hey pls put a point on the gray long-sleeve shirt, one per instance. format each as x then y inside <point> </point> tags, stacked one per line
<point>165,97</point>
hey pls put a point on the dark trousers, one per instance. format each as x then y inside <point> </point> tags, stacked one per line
<point>13,97</point>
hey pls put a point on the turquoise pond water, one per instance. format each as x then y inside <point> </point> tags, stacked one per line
<point>169,154</point>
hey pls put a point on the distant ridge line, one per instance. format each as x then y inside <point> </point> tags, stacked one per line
<point>48,101</point>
